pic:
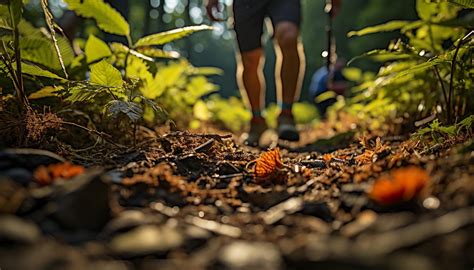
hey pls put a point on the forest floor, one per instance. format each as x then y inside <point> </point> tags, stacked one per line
<point>186,200</point>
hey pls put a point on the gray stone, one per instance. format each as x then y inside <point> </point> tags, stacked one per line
<point>250,255</point>
<point>147,239</point>
<point>15,229</point>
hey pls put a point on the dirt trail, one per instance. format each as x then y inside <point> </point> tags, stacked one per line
<point>194,201</point>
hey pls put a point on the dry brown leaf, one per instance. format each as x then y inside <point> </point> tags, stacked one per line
<point>268,165</point>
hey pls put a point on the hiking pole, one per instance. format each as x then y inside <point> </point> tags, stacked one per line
<point>330,41</point>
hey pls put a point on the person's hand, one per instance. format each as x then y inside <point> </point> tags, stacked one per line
<point>213,7</point>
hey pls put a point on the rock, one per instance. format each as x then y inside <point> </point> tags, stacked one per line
<point>12,196</point>
<point>16,230</point>
<point>317,209</point>
<point>363,221</point>
<point>27,158</point>
<point>129,219</point>
<point>196,237</point>
<point>250,255</point>
<point>279,211</point>
<point>19,175</point>
<point>82,202</point>
<point>147,239</point>
<point>264,198</point>
<point>45,254</point>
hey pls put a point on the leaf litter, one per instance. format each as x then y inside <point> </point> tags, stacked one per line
<point>207,190</point>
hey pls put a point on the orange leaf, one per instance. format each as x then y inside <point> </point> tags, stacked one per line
<point>45,175</point>
<point>402,185</point>
<point>268,163</point>
<point>386,192</point>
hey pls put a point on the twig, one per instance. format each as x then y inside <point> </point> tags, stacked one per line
<point>105,136</point>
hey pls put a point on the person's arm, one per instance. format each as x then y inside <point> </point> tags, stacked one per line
<point>211,7</point>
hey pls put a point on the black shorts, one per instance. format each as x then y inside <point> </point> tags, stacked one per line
<point>249,16</point>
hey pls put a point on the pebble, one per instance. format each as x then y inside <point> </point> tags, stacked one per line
<point>15,229</point>
<point>250,255</point>
<point>147,239</point>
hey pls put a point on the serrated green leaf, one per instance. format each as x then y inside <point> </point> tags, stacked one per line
<point>48,91</point>
<point>158,53</point>
<point>5,21</point>
<point>36,47</point>
<point>132,110</point>
<point>96,49</point>
<point>80,93</point>
<point>104,73</point>
<point>463,3</point>
<point>168,36</point>
<point>386,27</point>
<point>119,48</point>
<point>137,68</point>
<point>107,18</point>
<point>37,71</point>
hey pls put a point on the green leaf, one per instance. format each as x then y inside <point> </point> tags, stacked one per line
<point>464,3</point>
<point>37,71</point>
<point>5,21</point>
<point>107,18</point>
<point>48,91</point>
<point>420,67</point>
<point>168,36</point>
<point>384,55</point>
<point>158,53</point>
<point>386,27</point>
<point>96,49</point>
<point>38,48</point>
<point>132,110</point>
<point>16,10</point>
<point>207,71</point>
<point>80,93</point>
<point>105,74</point>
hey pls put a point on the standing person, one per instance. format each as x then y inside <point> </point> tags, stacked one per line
<point>249,16</point>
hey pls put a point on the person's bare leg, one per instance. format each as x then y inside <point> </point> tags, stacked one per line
<point>289,71</point>
<point>250,78</point>
<point>290,64</point>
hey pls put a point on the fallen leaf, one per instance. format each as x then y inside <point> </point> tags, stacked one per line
<point>45,175</point>
<point>401,185</point>
<point>268,164</point>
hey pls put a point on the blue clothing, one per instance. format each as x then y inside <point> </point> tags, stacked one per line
<point>319,82</point>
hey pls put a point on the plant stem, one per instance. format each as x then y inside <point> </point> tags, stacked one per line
<point>453,70</point>
<point>443,89</point>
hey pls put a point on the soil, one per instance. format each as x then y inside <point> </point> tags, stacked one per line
<point>186,200</point>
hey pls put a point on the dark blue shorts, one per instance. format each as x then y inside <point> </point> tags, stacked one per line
<point>249,16</point>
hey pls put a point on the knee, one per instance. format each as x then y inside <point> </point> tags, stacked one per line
<point>286,34</point>
<point>251,60</point>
